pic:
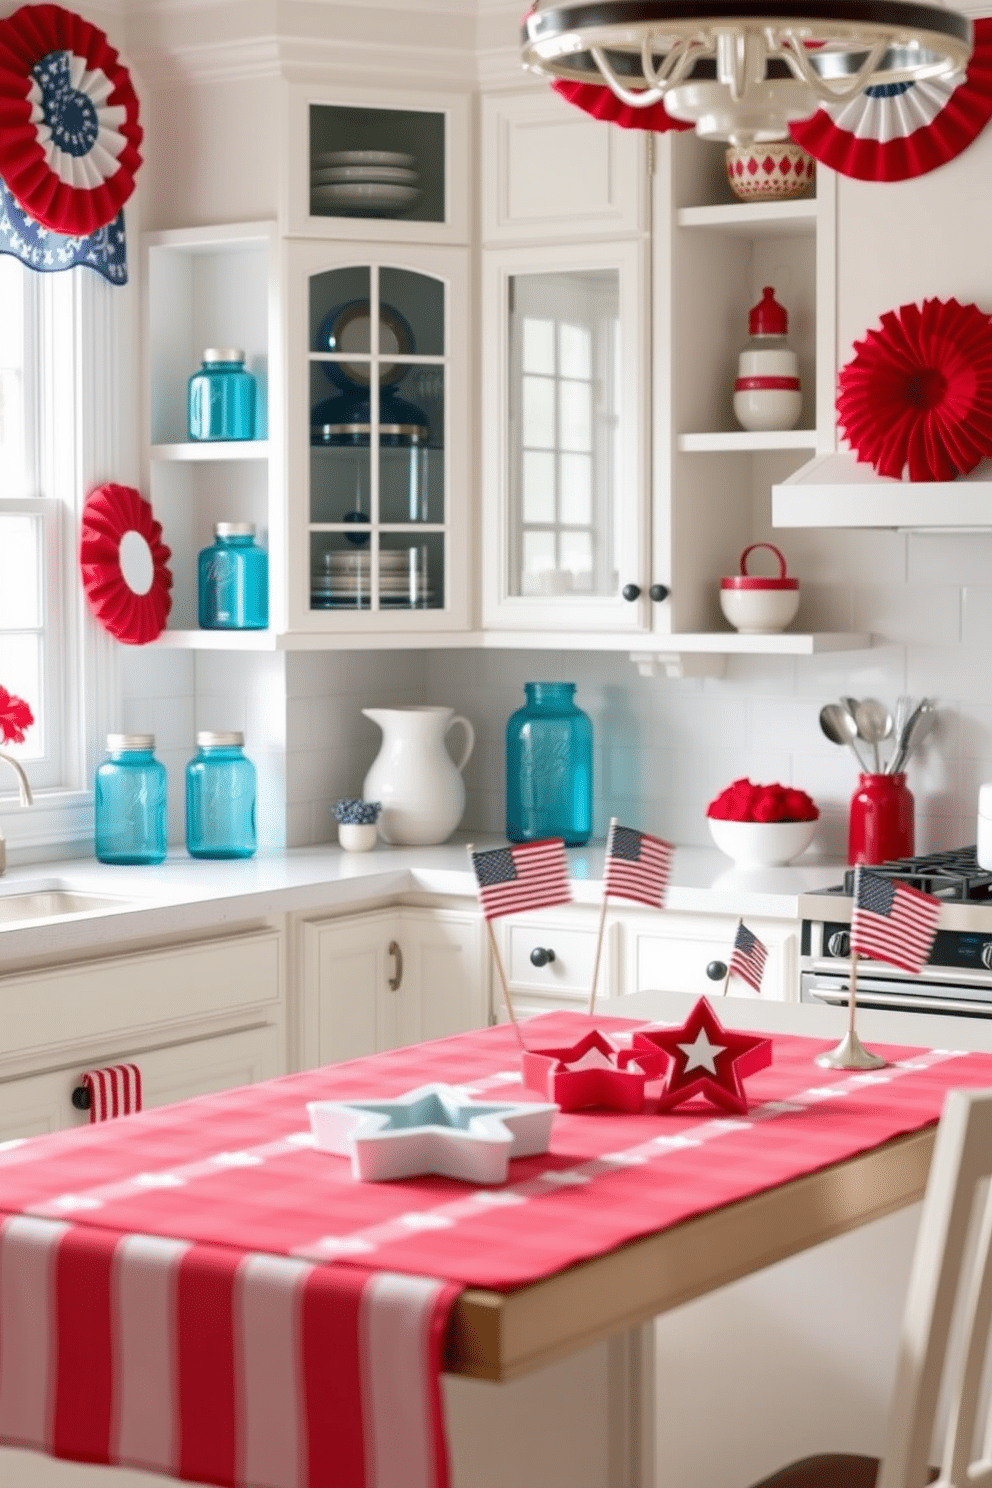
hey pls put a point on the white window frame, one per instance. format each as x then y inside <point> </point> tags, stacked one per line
<point>79,407</point>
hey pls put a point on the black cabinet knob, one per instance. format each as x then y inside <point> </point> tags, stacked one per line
<point>541,955</point>
<point>658,592</point>
<point>716,971</point>
<point>631,592</point>
<point>81,1098</point>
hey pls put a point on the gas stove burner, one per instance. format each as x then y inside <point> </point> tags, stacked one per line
<point>951,875</point>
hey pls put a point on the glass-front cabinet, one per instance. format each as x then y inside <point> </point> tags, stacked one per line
<point>378,423</point>
<point>564,463</point>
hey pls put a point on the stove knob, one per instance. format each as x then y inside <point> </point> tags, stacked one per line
<point>985,954</point>
<point>839,944</point>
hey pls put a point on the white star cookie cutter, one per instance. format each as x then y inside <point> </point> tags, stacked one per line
<point>433,1129</point>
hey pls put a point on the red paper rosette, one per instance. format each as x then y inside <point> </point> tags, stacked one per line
<point>918,393</point>
<point>109,513</point>
<point>900,130</point>
<point>69,131</point>
<point>603,103</point>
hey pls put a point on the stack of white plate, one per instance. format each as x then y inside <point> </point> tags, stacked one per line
<point>347,578</point>
<point>363,182</point>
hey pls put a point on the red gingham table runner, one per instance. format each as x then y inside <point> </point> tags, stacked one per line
<point>197,1291</point>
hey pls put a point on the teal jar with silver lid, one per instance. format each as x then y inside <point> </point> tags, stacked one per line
<point>221,397</point>
<point>130,802</point>
<point>221,787</point>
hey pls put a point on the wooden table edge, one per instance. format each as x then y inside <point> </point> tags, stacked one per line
<point>501,1335</point>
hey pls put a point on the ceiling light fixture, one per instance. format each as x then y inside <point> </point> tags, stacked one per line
<point>739,75</point>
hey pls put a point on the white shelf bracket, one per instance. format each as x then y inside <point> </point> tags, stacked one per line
<point>676,664</point>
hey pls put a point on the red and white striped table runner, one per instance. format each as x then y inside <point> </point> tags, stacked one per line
<point>215,1366</point>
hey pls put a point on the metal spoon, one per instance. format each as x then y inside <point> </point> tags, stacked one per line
<point>920,722</point>
<point>840,728</point>
<point>874,723</point>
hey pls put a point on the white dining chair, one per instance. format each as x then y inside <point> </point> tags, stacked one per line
<point>951,1279</point>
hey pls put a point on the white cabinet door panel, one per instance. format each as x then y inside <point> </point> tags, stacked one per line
<point>116,998</point>
<point>43,1103</point>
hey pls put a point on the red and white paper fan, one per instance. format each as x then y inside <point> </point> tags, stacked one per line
<point>900,130</point>
<point>69,131</point>
<point>110,512</point>
<point>917,395</point>
<point>603,103</point>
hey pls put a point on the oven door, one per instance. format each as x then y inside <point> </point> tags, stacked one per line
<point>907,995</point>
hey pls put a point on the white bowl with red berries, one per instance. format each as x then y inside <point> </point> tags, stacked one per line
<point>762,826</point>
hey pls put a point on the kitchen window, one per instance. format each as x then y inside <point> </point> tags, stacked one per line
<point>56,329</point>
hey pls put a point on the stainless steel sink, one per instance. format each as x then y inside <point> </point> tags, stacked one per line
<point>52,903</point>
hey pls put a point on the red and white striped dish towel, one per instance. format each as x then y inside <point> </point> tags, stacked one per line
<point>217,1366</point>
<point>114,1090</point>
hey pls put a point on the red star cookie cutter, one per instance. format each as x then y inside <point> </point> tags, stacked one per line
<point>704,1059</point>
<point>592,1073</point>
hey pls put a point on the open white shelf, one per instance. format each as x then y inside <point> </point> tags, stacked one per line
<point>753,219</point>
<point>835,491</point>
<point>218,640</point>
<point>731,441</point>
<point>220,449</point>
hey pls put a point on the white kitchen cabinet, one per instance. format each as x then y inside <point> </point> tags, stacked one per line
<point>378,419</point>
<point>434,135</point>
<point>632,558</point>
<point>683,952</point>
<point>43,1103</point>
<point>551,171</point>
<point>390,977</point>
<point>549,956</point>
<point>212,287</point>
<point>197,1017</point>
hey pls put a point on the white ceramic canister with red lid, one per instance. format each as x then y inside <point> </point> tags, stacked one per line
<point>767,392</point>
<point>755,605</point>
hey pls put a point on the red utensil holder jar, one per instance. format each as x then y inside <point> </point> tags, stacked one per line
<point>881,821</point>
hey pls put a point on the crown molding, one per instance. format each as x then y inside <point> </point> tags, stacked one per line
<point>182,41</point>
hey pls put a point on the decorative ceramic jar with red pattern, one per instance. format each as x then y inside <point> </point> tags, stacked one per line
<point>767,393</point>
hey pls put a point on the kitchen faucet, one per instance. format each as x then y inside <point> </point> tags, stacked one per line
<point>24,791</point>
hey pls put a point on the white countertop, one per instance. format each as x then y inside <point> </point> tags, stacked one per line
<point>185,896</point>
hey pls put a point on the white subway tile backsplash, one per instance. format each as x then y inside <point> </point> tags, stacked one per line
<point>910,614</point>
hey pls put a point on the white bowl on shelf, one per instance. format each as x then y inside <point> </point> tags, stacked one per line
<point>761,844</point>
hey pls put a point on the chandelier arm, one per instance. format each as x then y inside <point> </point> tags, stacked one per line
<point>676,64</point>
<point>644,98</point>
<point>798,59</point>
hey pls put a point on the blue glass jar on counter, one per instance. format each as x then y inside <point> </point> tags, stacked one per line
<point>220,798</point>
<point>130,802</point>
<point>221,397</point>
<point>233,580</point>
<point>549,767</point>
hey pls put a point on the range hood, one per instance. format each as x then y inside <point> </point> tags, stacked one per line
<point>836,491</point>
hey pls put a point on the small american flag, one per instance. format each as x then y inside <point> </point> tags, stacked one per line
<point>893,922</point>
<point>637,866</point>
<point>530,875</point>
<point>748,958</point>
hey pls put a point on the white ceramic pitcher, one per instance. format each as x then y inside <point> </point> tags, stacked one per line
<point>413,775</point>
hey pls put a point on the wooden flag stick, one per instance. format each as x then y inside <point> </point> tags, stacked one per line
<point>498,960</point>
<point>602,923</point>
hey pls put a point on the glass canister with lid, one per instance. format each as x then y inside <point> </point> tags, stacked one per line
<point>221,397</point>
<point>221,788</point>
<point>130,802</point>
<point>233,580</point>
<point>549,767</point>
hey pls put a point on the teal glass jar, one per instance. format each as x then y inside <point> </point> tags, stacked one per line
<point>221,397</point>
<point>130,802</point>
<point>233,580</point>
<point>549,767</point>
<point>221,787</point>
